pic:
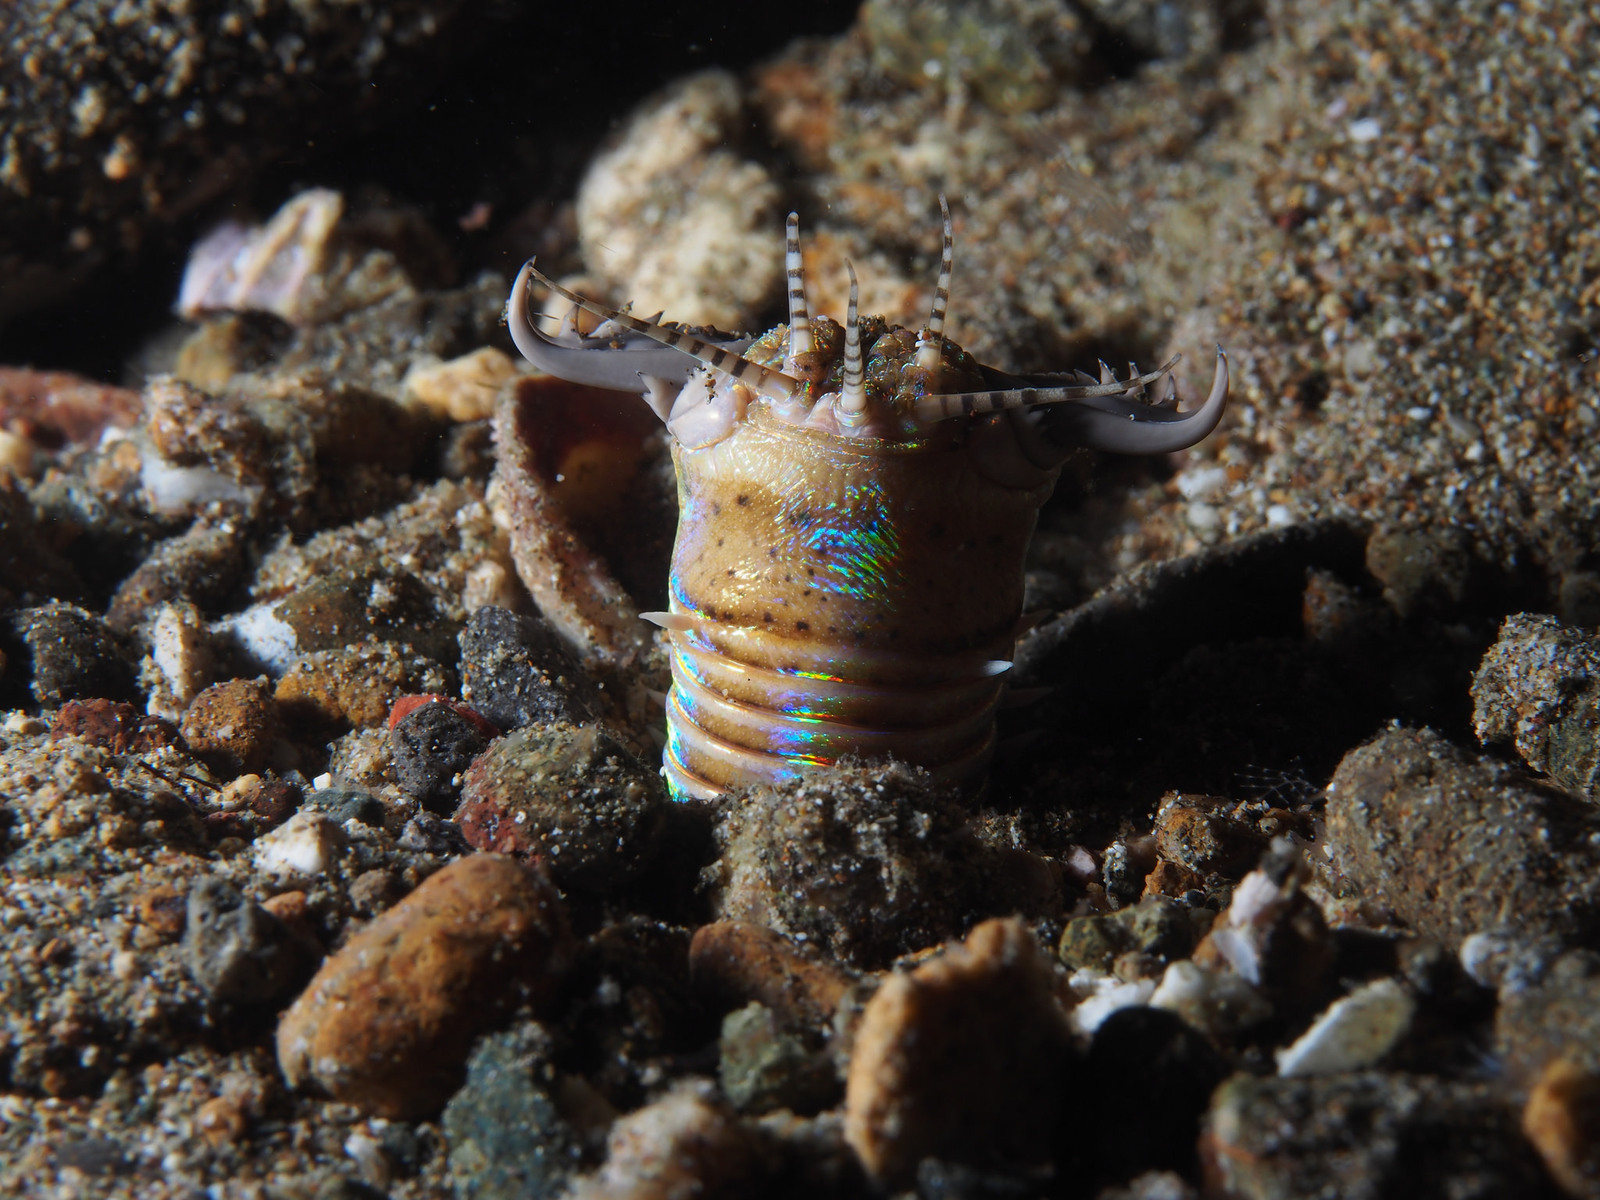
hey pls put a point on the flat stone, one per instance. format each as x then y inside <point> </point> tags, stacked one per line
<point>388,1021</point>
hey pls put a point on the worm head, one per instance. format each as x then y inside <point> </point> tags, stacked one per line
<point>865,380</point>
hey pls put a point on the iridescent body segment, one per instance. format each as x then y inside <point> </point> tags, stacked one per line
<point>855,506</point>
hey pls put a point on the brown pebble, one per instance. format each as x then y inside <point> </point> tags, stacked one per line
<point>388,1021</point>
<point>355,685</point>
<point>735,962</point>
<point>964,1058</point>
<point>1562,1120</point>
<point>162,912</point>
<point>222,1121</point>
<point>1196,832</point>
<point>233,725</point>
<point>1171,879</point>
<point>115,726</point>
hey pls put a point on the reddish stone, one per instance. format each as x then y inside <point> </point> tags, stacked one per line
<point>114,726</point>
<point>409,704</point>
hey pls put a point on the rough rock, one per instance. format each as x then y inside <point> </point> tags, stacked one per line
<point>201,566</point>
<point>516,671</point>
<point>240,952</point>
<point>866,862</point>
<point>233,725</point>
<point>355,685</point>
<point>1157,927</point>
<point>963,1059</point>
<point>388,1021</point>
<point>462,389</point>
<point>507,1139</point>
<point>117,727</point>
<point>75,655</point>
<point>570,795</point>
<point>1455,844</point>
<point>1196,832</point>
<point>1365,1134</point>
<point>1538,688</point>
<point>433,745</point>
<point>761,1066</point>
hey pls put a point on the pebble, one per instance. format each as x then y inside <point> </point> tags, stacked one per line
<point>1455,844</point>
<point>517,671</point>
<point>234,726</point>
<point>368,603</point>
<point>237,950</point>
<point>348,804</point>
<point>1217,1002</point>
<point>1196,832</point>
<point>388,1021</point>
<point>1365,1133</point>
<point>354,686</point>
<point>901,864</point>
<point>963,1059</point>
<point>571,796</point>
<point>762,1067</point>
<point>1145,1084</point>
<point>1353,1034</point>
<point>117,727</point>
<point>1562,1120</point>
<point>1549,1011</point>
<point>462,389</point>
<point>75,655</point>
<point>733,963</point>
<point>1273,936</point>
<point>201,567</point>
<point>1538,688</point>
<point>506,1138</point>
<point>433,745</point>
<point>1156,926</point>
<point>303,849</point>
<point>1421,571</point>
<point>686,1144</point>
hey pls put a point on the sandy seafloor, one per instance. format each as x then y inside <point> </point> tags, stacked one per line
<point>1384,213</point>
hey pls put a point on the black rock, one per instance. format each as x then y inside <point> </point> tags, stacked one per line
<point>430,747</point>
<point>75,656</point>
<point>517,671</point>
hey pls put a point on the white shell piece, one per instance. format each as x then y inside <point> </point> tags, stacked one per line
<point>1354,1033</point>
<point>303,847</point>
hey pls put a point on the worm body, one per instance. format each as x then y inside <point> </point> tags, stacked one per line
<point>855,506</point>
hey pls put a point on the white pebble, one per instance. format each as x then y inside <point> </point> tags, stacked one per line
<point>1367,129</point>
<point>1202,483</point>
<point>304,846</point>
<point>1354,1033</point>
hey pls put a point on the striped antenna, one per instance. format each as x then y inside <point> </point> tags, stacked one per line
<point>930,345</point>
<point>800,341</point>
<point>773,384</point>
<point>853,395</point>
<point>965,404</point>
